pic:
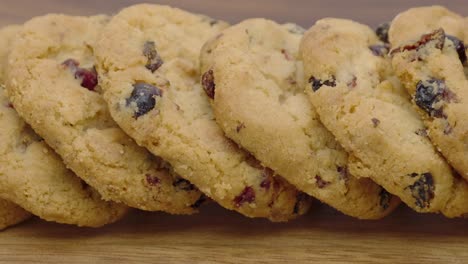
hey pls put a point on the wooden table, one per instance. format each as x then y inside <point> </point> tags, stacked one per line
<point>218,236</point>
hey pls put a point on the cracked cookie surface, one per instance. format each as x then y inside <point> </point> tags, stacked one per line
<point>53,84</point>
<point>34,177</point>
<point>361,101</point>
<point>151,85</point>
<point>255,78</point>
<point>429,57</point>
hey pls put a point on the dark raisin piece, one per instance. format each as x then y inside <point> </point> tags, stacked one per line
<point>89,78</point>
<point>144,96</point>
<point>183,185</point>
<point>150,52</point>
<point>380,50</point>
<point>246,196</point>
<point>460,47</point>
<point>208,83</point>
<point>152,180</point>
<point>199,202</point>
<point>375,122</point>
<point>438,36</point>
<point>382,31</point>
<point>343,171</point>
<point>317,83</point>
<point>385,198</point>
<point>430,92</point>
<point>423,190</point>
<point>321,183</point>
<point>299,199</point>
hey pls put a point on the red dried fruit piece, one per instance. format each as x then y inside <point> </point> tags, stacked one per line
<point>343,171</point>
<point>246,196</point>
<point>88,77</point>
<point>429,93</point>
<point>208,83</point>
<point>375,122</point>
<point>152,180</point>
<point>268,175</point>
<point>144,96</point>
<point>438,36</point>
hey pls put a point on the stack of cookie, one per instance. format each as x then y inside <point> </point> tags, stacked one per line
<point>159,109</point>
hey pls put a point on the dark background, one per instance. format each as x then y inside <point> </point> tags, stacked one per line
<point>303,12</point>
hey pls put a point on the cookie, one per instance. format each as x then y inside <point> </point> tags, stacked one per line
<point>253,74</point>
<point>148,63</point>
<point>34,177</point>
<point>11,214</point>
<point>54,86</point>
<point>429,57</point>
<point>359,99</point>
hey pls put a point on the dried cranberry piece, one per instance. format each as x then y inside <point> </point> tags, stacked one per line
<point>317,83</point>
<point>382,31</point>
<point>423,190</point>
<point>144,96</point>
<point>385,198</point>
<point>460,47</point>
<point>321,183</point>
<point>152,180</point>
<point>380,50</point>
<point>88,77</point>
<point>430,92</point>
<point>150,52</point>
<point>375,122</point>
<point>246,196</point>
<point>183,185</point>
<point>438,36</point>
<point>208,83</point>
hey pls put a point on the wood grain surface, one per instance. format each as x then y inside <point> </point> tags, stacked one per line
<point>218,236</point>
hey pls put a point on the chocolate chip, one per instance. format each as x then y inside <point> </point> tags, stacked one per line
<point>429,93</point>
<point>209,84</point>
<point>382,31</point>
<point>246,196</point>
<point>459,47</point>
<point>150,52</point>
<point>183,185</point>
<point>144,96</point>
<point>317,83</point>
<point>385,198</point>
<point>320,182</point>
<point>88,77</point>
<point>375,122</point>
<point>299,199</point>
<point>423,190</point>
<point>152,180</point>
<point>380,50</point>
<point>199,202</point>
<point>438,36</point>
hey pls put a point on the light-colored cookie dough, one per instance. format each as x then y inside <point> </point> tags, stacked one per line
<point>53,85</point>
<point>34,177</point>
<point>359,99</point>
<point>148,61</point>
<point>253,74</point>
<point>430,59</point>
